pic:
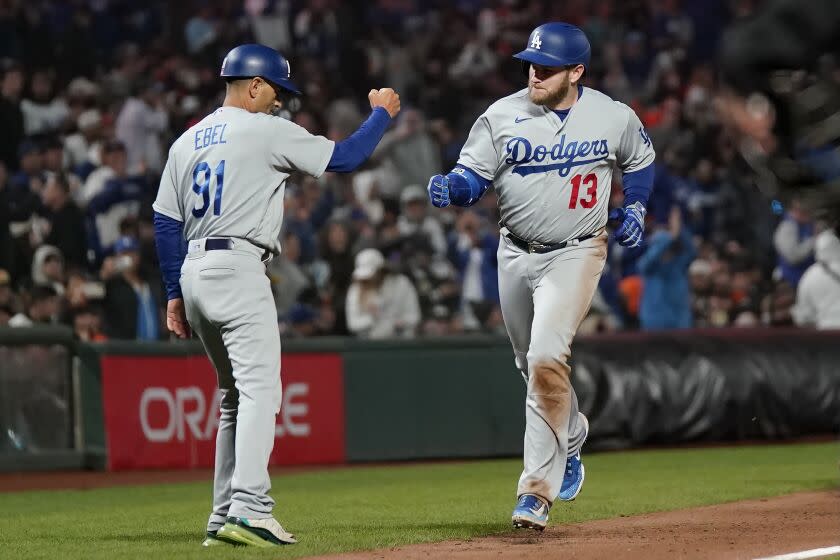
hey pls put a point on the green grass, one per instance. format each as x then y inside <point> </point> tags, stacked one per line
<point>365,508</point>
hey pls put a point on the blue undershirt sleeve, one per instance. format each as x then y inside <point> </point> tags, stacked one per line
<point>466,186</point>
<point>638,185</point>
<point>354,150</point>
<point>171,250</point>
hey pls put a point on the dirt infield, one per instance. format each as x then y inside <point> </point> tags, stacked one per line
<point>748,529</point>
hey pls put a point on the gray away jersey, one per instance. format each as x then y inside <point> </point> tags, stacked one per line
<point>226,175</point>
<point>553,177</point>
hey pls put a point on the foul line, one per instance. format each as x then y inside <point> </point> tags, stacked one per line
<point>815,553</point>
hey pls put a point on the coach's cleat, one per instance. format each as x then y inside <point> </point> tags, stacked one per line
<point>212,540</point>
<point>531,512</point>
<point>574,475</point>
<point>262,533</point>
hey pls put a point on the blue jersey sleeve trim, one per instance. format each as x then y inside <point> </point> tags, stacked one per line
<point>354,150</point>
<point>171,250</point>
<point>466,186</point>
<point>638,185</point>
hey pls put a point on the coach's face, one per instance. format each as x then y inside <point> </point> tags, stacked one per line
<point>264,96</point>
<point>549,85</point>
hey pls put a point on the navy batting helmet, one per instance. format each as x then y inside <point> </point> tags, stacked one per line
<point>556,44</point>
<point>248,61</point>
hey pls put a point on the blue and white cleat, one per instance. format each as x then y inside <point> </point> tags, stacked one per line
<point>574,475</point>
<point>572,480</point>
<point>531,512</point>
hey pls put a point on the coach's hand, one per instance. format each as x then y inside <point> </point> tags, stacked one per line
<point>439,191</point>
<point>176,318</point>
<point>632,228</point>
<point>386,98</point>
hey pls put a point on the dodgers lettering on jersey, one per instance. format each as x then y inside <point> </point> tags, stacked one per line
<point>520,151</point>
<point>226,176</point>
<point>553,177</point>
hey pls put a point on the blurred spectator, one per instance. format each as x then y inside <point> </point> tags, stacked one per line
<point>776,306</point>
<point>475,256</point>
<point>700,283</point>
<point>6,244</point>
<point>66,222</point>
<point>53,149</point>
<point>666,294</point>
<point>818,293</point>
<point>43,111</point>
<point>26,184</point>
<point>110,195</point>
<point>133,301</point>
<point>380,303</point>
<point>82,148</point>
<point>81,291</point>
<point>415,218</point>
<point>410,151</point>
<point>794,241</point>
<point>6,294</point>
<point>437,284</point>
<point>336,250</point>
<point>288,280</point>
<point>606,314</point>
<point>41,308</point>
<point>140,127</point>
<point>702,199</point>
<point>48,268</point>
<point>6,314</point>
<point>201,30</point>
<point>307,207</point>
<point>87,325</point>
<point>307,320</point>
<point>474,61</point>
<point>11,115</point>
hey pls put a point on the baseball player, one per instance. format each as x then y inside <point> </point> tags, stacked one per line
<point>222,192</point>
<point>550,150</point>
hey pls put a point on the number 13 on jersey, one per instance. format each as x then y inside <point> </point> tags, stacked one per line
<point>202,177</point>
<point>591,195</point>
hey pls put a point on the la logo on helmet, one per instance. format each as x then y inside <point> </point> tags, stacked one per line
<point>535,42</point>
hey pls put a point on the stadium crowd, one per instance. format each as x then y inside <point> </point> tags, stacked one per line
<point>93,92</point>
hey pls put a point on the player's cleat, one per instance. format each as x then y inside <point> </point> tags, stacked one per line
<point>574,475</point>
<point>531,512</point>
<point>212,540</point>
<point>572,480</point>
<point>261,533</point>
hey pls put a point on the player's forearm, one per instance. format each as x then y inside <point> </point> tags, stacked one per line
<point>169,240</point>
<point>353,151</point>
<point>466,186</point>
<point>638,185</point>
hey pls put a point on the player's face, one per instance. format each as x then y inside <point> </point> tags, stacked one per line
<point>549,85</point>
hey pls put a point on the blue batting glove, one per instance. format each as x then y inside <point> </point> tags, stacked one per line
<point>631,231</point>
<point>439,191</point>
